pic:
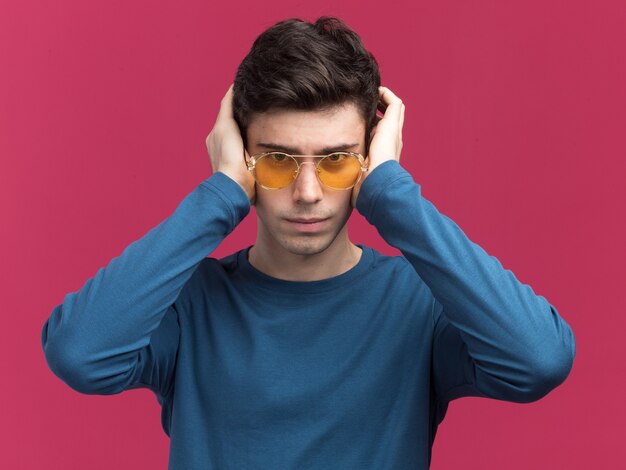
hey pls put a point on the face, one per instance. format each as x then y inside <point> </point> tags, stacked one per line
<point>304,133</point>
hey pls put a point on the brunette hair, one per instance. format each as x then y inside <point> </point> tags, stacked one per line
<point>306,66</point>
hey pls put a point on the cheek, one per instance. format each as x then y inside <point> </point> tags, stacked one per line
<point>341,200</point>
<point>268,203</point>
<point>341,207</point>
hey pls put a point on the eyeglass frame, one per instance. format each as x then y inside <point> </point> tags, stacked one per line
<point>251,166</point>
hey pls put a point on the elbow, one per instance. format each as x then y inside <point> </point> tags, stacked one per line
<point>66,365</point>
<point>549,370</point>
<point>80,371</point>
<point>547,378</point>
<point>60,354</point>
<point>529,374</point>
<point>550,361</point>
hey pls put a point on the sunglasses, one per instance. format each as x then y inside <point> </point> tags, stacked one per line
<point>277,170</point>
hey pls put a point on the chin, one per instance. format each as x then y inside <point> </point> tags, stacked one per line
<point>306,247</point>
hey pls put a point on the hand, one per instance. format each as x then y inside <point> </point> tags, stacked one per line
<point>386,136</point>
<point>226,150</point>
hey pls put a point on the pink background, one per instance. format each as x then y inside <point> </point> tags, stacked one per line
<point>515,124</point>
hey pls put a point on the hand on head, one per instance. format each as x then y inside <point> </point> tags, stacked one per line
<point>386,136</point>
<point>226,150</point>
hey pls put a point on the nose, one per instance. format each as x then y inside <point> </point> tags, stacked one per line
<point>307,187</point>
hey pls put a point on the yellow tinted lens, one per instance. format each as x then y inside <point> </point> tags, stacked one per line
<point>339,170</point>
<point>275,170</point>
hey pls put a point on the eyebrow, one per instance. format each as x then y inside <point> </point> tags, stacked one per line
<point>294,151</point>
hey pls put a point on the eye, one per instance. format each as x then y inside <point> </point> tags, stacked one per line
<point>278,157</point>
<point>337,157</point>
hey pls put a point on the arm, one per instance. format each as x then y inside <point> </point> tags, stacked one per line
<point>492,335</point>
<point>120,330</point>
<point>92,341</point>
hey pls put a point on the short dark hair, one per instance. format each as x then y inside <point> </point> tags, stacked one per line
<point>306,66</point>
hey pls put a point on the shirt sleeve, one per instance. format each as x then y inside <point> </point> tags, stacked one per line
<point>120,330</point>
<point>492,335</point>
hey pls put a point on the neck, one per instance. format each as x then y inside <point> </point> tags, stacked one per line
<point>341,256</point>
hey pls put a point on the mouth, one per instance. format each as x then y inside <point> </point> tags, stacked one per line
<point>306,221</point>
<point>308,225</point>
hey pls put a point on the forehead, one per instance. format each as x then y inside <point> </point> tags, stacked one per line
<point>306,131</point>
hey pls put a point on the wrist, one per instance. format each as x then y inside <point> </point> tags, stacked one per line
<point>245,181</point>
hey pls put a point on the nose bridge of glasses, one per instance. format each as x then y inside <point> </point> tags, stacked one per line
<point>301,159</point>
<point>300,170</point>
<point>304,159</point>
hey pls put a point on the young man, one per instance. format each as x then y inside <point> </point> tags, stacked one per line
<point>307,350</point>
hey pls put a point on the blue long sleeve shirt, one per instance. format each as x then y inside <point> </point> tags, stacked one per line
<point>351,372</point>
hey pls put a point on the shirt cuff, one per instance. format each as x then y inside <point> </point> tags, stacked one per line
<point>229,191</point>
<point>376,183</point>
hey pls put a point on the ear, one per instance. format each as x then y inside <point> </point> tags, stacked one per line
<point>246,157</point>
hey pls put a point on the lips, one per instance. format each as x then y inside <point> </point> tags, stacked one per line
<point>308,225</point>
<point>305,221</point>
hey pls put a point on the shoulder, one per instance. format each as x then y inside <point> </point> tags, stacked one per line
<point>227,264</point>
<point>210,273</point>
<point>397,269</point>
<point>394,264</point>
<point>403,290</point>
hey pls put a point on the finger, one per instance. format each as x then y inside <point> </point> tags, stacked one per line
<point>393,104</point>
<point>386,95</point>
<point>226,105</point>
